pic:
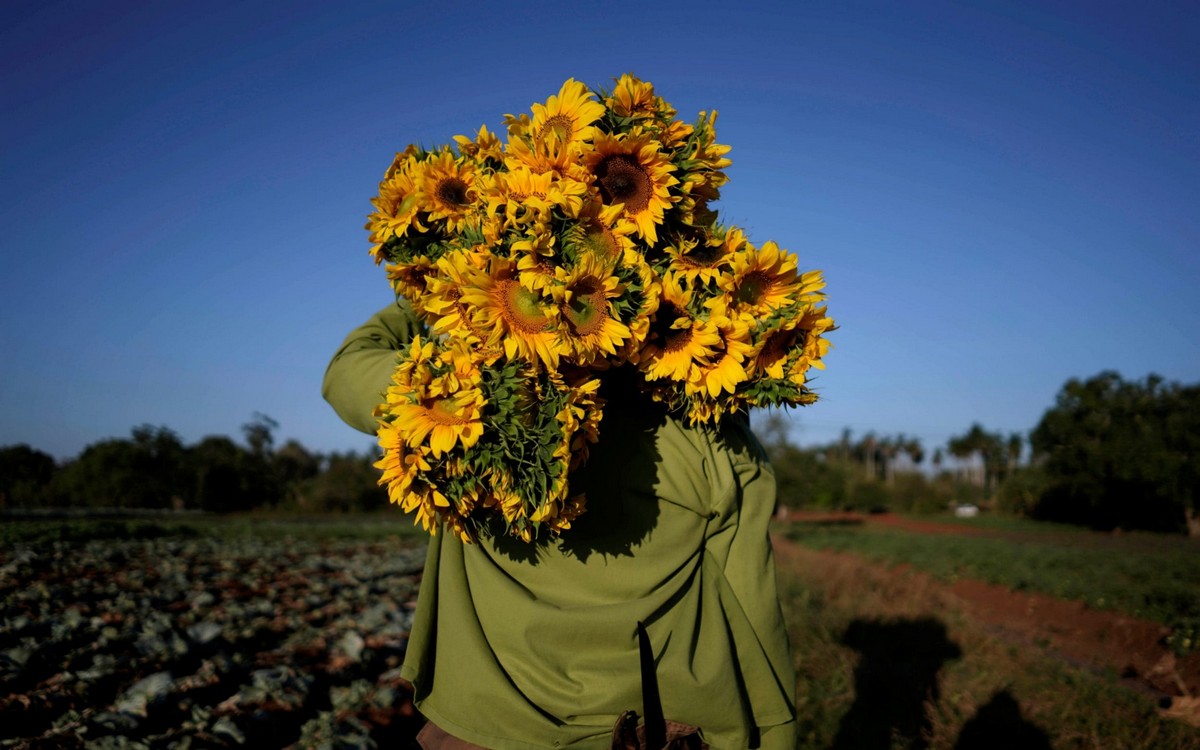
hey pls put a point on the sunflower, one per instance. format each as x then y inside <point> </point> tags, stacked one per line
<point>567,117</point>
<point>816,346</point>
<point>760,280</point>
<point>485,147</point>
<point>442,304</point>
<point>772,353</point>
<point>521,195</point>
<point>703,257</point>
<point>448,185</point>
<point>633,97</point>
<point>545,155</point>
<point>583,294</point>
<point>397,207</point>
<point>441,406</point>
<point>725,368</point>
<point>631,170</point>
<point>789,349</point>
<point>707,158</point>
<point>515,316</point>
<point>398,465</point>
<point>581,418</point>
<point>600,230</point>
<point>636,308</point>
<point>409,279</point>
<point>678,342</point>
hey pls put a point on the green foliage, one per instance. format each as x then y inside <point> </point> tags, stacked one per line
<point>1121,454</point>
<point>25,474</point>
<point>143,472</point>
<point>1151,577</point>
<point>1021,493</point>
<point>349,483</point>
<point>225,477</point>
<point>862,475</point>
<point>154,470</point>
<point>997,454</point>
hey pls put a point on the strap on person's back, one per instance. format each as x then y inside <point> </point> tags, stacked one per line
<point>655,733</point>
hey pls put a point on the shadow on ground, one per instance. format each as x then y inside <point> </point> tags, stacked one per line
<point>897,678</point>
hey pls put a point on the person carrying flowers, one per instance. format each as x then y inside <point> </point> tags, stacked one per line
<point>560,395</point>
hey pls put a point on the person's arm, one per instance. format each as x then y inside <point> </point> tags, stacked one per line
<point>358,377</point>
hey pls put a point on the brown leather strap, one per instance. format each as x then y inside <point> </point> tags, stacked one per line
<point>628,734</point>
<point>433,737</point>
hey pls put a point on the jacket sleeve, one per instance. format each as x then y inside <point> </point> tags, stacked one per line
<point>359,374</point>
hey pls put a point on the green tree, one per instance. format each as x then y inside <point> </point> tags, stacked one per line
<point>983,449</point>
<point>25,475</point>
<point>294,465</point>
<point>143,472</point>
<point>221,472</point>
<point>349,482</point>
<point>1121,454</point>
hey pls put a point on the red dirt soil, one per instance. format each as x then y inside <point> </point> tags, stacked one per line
<point>1089,638</point>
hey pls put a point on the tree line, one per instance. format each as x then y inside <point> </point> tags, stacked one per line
<point>1109,454</point>
<point>154,469</point>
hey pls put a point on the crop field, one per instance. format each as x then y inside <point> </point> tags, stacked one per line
<point>258,635</point>
<point>262,633</point>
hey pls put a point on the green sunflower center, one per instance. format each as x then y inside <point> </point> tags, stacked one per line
<point>754,288</point>
<point>623,180</point>
<point>445,411</point>
<point>521,308</point>
<point>601,241</point>
<point>584,312</point>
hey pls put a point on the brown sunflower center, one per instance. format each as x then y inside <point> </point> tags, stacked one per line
<point>411,275</point>
<point>678,339</point>
<point>559,126</point>
<point>585,310</point>
<point>754,288</point>
<point>673,339</point>
<point>521,309</point>
<point>778,346</point>
<point>623,180</point>
<point>453,192</point>
<point>702,256</point>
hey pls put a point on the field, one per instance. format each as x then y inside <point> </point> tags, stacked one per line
<point>274,633</point>
<point>901,640</point>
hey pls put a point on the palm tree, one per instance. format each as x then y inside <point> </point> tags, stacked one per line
<point>1014,446</point>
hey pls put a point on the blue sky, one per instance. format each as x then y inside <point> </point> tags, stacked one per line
<point>1001,195</point>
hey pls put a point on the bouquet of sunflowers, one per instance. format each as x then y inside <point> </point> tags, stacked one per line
<point>584,241</point>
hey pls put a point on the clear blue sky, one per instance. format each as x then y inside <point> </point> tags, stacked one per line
<point>1001,195</point>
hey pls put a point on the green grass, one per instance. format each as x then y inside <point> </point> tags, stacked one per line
<point>1138,575</point>
<point>853,690</point>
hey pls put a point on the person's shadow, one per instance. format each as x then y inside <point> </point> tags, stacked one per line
<point>998,725</point>
<point>895,677</point>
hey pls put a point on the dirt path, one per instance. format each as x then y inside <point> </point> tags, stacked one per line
<point>1099,640</point>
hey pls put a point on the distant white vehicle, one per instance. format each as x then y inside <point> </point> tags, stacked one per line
<point>968,510</point>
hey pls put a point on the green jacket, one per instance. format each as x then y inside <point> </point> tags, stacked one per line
<point>516,647</point>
